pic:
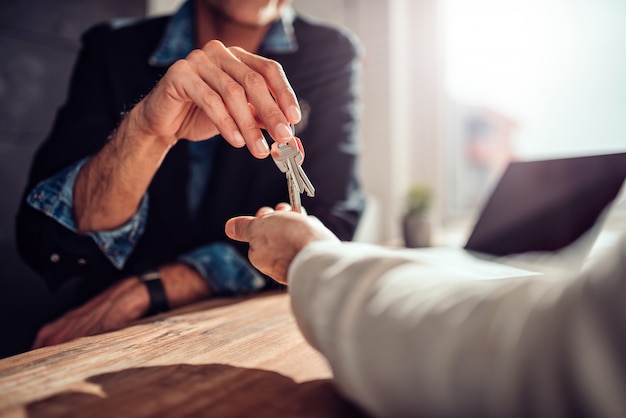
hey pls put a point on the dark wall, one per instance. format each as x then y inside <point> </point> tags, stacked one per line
<point>39,40</point>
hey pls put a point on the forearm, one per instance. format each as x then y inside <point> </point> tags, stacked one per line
<point>411,339</point>
<point>183,285</point>
<point>121,304</point>
<point>397,342</point>
<point>109,187</point>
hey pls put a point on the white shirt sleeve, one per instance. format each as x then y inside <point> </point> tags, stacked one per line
<point>410,339</point>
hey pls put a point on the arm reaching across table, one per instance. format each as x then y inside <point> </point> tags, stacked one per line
<point>407,339</point>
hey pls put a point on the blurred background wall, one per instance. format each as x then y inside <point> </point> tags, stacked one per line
<point>452,91</point>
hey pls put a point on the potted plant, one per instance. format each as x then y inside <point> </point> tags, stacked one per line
<point>415,223</point>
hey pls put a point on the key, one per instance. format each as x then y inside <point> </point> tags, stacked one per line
<point>288,158</point>
<point>294,192</point>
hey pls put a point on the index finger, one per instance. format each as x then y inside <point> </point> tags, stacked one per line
<point>277,83</point>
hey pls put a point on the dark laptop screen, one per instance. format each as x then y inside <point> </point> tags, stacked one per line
<point>546,205</point>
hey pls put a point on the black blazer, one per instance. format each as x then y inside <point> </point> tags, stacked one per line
<point>112,73</point>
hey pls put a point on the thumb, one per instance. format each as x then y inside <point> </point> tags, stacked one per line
<point>238,228</point>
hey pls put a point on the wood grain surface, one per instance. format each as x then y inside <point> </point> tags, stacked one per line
<point>239,357</point>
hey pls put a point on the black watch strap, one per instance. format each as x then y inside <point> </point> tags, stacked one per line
<point>158,298</point>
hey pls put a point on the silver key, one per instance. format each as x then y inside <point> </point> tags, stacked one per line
<point>288,158</point>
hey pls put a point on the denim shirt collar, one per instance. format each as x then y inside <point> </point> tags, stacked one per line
<point>178,39</point>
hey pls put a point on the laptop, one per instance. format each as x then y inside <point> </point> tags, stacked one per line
<point>551,209</point>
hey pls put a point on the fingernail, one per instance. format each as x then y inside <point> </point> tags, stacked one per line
<point>294,114</point>
<point>262,147</point>
<point>238,138</point>
<point>283,131</point>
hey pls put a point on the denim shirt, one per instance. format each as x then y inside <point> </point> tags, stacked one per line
<point>219,264</point>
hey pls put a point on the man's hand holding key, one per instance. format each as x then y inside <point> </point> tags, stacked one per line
<point>288,158</point>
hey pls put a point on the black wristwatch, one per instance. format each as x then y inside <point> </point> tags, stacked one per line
<point>158,298</point>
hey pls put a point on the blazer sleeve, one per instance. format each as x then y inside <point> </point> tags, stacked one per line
<point>82,125</point>
<point>331,138</point>
<point>410,339</point>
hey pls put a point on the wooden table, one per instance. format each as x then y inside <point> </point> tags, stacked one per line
<point>241,357</point>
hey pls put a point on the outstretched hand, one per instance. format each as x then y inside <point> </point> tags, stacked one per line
<point>276,237</point>
<point>220,90</point>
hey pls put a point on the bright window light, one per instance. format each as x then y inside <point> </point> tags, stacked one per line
<point>555,67</point>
